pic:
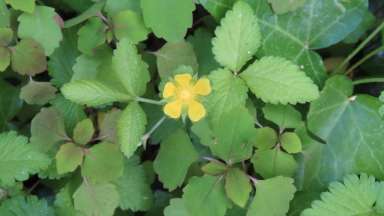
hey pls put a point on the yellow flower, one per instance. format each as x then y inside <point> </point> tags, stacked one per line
<point>183,96</point>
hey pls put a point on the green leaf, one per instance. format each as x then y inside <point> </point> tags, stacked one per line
<point>214,167</point>
<point>83,132</point>
<point>352,129</point>
<point>276,80</point>
<point>217,8</point>
<point>64,202</point>
<point>355,196</point>
<point>265,138</point>
<point>28,58</point>
<point>6,36</point>
<point>108,125</point>
<point>91,35</point>
<point>228,92</point>
<point>237,186</point>
<point>5,58</point>
<point>205,196</point>
<point>129,24</point>
<point>233,133</point>
<point>90,12</point>
<point>130,68</point>
<point>92,93</point>
<point>170,26</point>
<point>274,162</point>
<point>113,7</point>
<point>238,37</point>
<point>96,200</point>
<point>42,27</point>
<point>285,116</point>
<point>174,54</point>
<point>291,142</point>
<point>131,128</point>
<point>272,197</point>
<point>133,187</point>
<point>68,158</point>
<point>177,147</point>
<point>282,6</point>
<point>5,15</point>
<point>25,5</point>
<point>10,103</point>
<point>38,93</point>
<point>203,131</point>
<point>22,206</point>
<point>18,159</point>
<point>176,208</point>
<point>103,163</point>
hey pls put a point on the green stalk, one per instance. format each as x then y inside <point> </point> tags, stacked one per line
<point>364,59</point>
<point>368,80</point>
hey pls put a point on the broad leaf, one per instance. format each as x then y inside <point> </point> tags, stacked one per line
<point>5,58</point>
<point>28,58</point>
<point>108,125</point>
<point>113,7</point>
<point>25,5</point>
<point>291,142</point>
<point>283,6</point>
<point>68,158</point>
<point>83,132</point>
<point>176,208</point>
<point>38,93</point>
<point>237,186</point>
<point>91,35</point>
<point>285,116</point>
<point>10,104</point>
<point>129,24</point>
<point>276,80</point>
<point>22,206</point>
<point>265,138</point>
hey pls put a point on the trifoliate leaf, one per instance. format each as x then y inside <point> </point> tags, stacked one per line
<point>131,128</point>
<point>205,196</point>
<point>133,187</point>
<point>68,158</point>
<point>174,54</point>
<point>130,68</point>
<point>264,138</point>
<point>214,167</point>
<point>92,93</point>
<point>25,5</point>
<point>170,26</point>
<point>28,58</point>
<point>291,142</point>
<point>276,80</point>
<point>176,208</point>
<point>41,26</point>
<point>228,92</point>
<point>354,196</point>
<point>5,58</point>
<point>238,37</point>
<point>282,6</point>
<point>22,206</point>
<point>129,24</point>
<point>233,133</point>
<point>38,93</point>
<point>96,199</point>
<point>91,35</point>
<point>18,159</point>
<point>83,132</point>
<point>177,147</point>
<point>103,163</point>
<point>237,186</point>
<point>272,197</point>
<point>285,116</point>
<point>6,36</point>
<point>274,162</point>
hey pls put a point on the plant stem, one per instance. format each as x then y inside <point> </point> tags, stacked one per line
<point>150,101</point>
<point>360,47</point>
<point>364,59</point>
<point>146,136</point>
<point>368,80</point>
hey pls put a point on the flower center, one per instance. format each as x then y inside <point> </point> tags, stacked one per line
<point>185,95</point>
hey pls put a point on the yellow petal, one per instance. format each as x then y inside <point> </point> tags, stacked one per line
<point>183,80</point>
<point>173,109</point>
<point>202,87</point>
<point>196,111</point>
<point>169,90</point>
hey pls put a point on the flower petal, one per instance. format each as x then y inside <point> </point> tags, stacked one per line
<point>169,90</point>
<point>202,87</point>
<point>173,109</point>
<point>183,80</point>
<point>196,111</point>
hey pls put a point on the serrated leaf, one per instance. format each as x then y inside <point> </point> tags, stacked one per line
<point>170,26</point>
<point>25,5</point>
<point>5,58</point>
<point>83,132</point>
<point>228,92</point>
<point>238,37</point>
<point>285,116</point>
<point>131,128</point>
<point>28,58</point>
<point>130,68</point>
<point>205,196</point>
<point>91,35</point>
<point>176,208</point>
<point>18,159</point>
<point>96,200</point>
<point>129,24</point>
<point>21,206</point>
<point>177,147</point>
<point>68,158</point>
<point>38,93</point>
<point>276,80</point>
<point>237,186</point>
<point>174,54</point>
<point>133,187</point>
<point>272,197</point>
<point>103,163</point>
<point>282,6</point>
<point>92,93</point>
<point>265,138</point>
<point>41,26</point>
<point>291,142</point>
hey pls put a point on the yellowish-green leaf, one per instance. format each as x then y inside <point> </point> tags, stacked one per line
<point>68,158</point>
<point>83,132</point>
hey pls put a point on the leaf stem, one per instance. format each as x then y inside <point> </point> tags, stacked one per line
<point>368,80</point>
<point>360,47</point>
<point>364,59</point>
<point>146,136</point>
<point>150,101</point>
